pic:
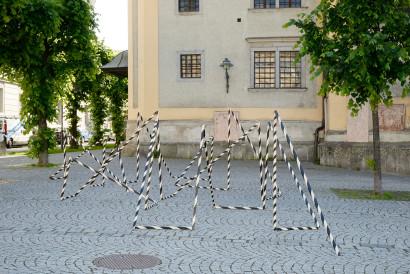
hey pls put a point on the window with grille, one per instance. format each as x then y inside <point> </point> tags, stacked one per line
<point>271,4</point>
<point>289,3</point>
<point>264,71</point>
<point>264,4</point>
<point>290,73</point>
<point>190,66</point>
<point>188,5</point>
<point>276,69</point>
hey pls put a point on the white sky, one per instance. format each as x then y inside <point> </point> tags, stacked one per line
<point>113,23</point>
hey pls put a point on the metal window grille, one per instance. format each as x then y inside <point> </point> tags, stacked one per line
<point>290,73</point>
<point>264,4</point>
<point>188,5</point>
<point>290,3</point>
<point>264,72</point>
<point>190,65</point>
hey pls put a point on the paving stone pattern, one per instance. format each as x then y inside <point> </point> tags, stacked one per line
<point>41,234</point>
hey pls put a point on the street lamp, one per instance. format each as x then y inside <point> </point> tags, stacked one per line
<point>226,64</point>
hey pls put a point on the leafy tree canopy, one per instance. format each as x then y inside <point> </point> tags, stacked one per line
<point>43,43</point>
<point>361,46</point>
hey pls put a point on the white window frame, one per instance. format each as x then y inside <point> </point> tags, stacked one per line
<point>277,51</point>
<point>178,57</point>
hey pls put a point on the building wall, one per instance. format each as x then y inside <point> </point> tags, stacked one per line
<point>159,33</point>
<point>10,98</point>
<point>394,123</point>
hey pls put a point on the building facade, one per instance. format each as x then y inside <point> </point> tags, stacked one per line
<point>176,48</point>
<point>10,104</point>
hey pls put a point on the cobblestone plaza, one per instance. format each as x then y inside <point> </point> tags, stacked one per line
<point>41,234</point>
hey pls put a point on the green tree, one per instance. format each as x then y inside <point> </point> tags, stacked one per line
<point>117,94</point>
<point>108,95</point>
<point>43,42</point>
<point>95,86</point>
<point>74,100</point>
<point>362,48</point>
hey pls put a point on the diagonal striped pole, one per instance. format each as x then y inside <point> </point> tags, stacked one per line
<point>301,193</point>
<point>151,160</point>
<point>114,153</point>
<point>243,132</point>
<point>65,176</point>
<point>275,186</point>
<point>53,176</point>
<point>118,182</point>
<point>103,158</point>
<point>150,151</point>
<point>229,152</point>
<point>250,143</point>
<point>322,217</point>
<point>202,145</point>
<point>263,186</point>
<point>124,178</point>
<point>198,175</point>
<point>159,165</point>
<point>208,159</point>
<point>139,119</point>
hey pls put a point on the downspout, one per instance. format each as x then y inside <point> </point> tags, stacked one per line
<point>316,142</point>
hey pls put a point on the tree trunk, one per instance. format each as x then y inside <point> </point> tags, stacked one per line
<point>73,129</point>
<point>43,154</point>
<point>377,172</point>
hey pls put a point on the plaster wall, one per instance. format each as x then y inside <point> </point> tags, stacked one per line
<point>216,32</point>
<point>11,94</point>
<point>158,32</point>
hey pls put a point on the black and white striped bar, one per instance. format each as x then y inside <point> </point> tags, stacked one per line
<point>195,197</point>
<point>322,217</point>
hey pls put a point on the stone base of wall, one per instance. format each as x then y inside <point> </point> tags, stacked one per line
<point>180,139</point>
<point>239,152</point>
<point>395,156</point>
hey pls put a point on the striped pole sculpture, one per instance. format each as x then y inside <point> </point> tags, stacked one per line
<point>205,148</point>
<point>201,147</point>
<point>103,166</point>
<point>331,238</point>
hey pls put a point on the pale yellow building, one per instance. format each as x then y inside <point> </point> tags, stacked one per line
<point>176,48</point>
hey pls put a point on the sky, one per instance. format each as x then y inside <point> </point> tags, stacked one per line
<point>113,23</point>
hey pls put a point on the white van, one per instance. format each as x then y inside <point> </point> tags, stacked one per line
<point>13,131</point>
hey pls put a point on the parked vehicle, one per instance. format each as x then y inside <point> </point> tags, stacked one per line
<point>12,130</point>
<point>85,135</point>
<point>58,135</point>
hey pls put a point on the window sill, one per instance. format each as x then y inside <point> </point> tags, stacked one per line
<point>270,90</point>
<point>274,9</point>
<point>192,80</point>
<point>187,13</point>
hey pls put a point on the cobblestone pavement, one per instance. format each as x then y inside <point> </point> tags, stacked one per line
<point>41,234</point>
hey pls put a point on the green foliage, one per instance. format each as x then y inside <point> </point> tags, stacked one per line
<point>371,163</point>
<point>117,94</point>
<point>107,95</point>
<point>36,144</point>
<point>43,43</point>
<point>361,46</point>
<point>369,194</point>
